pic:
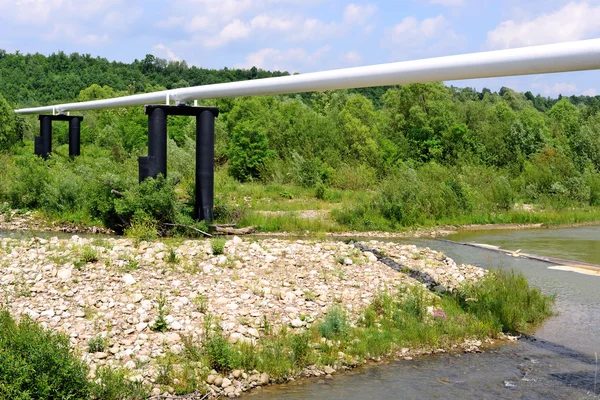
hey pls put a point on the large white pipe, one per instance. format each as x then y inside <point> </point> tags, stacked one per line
<point>562,57</point>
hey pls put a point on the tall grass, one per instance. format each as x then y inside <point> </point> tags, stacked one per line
<point>407,316</point>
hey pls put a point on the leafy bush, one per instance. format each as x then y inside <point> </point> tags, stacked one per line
<point>506,300</point>
<point>96,344</point>
<point>218,350</point>
<point>142,230</point>
<point>10,132</point>
<point>36,364</point>
<point>113,384</point>
<point>151,200</point>
<point>217,245</point>
<point>160,322</point>
<point>248,150</point>
<point>335,324</point>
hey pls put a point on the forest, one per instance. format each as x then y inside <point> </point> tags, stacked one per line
<point>369,159</point>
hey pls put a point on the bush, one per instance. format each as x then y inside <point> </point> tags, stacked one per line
<point>218,350</point>
<point>113,385</point>
<point>248,151</point>
<point>217,245</point>
<point>335,324</point>
<point>505,300</point>
<point>38,364</point>
<point>10,132</point>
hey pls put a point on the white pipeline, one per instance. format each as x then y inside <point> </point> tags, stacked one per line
<point>562,57</point>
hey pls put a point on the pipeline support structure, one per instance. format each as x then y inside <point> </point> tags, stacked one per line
<point>43,143</point>
<point>156,162</point>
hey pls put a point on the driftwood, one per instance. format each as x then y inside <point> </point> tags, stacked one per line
<point>233,231</point>
<point>116,193</point>
<point>192,228</point>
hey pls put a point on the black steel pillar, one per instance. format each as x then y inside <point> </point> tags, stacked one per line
<point>205,173</point>
<point>43,143</point>
<point>156,161</point>
<point>75,136</point>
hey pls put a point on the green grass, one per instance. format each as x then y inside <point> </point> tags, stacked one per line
<point>501,302</point>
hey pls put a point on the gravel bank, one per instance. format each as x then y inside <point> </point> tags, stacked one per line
<point>110,288</point>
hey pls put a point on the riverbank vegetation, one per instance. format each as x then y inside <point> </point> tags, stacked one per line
<point>369,159</point>
<point>399,319</point>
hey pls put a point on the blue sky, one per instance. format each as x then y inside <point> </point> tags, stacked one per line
<point>305,35</point>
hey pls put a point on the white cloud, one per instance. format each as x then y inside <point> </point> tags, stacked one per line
<point>171,22</point>
<point>590,92</point>
<point>235,30</point>
<point>162,49</point>
<point>412,32</point>
<point>556,89</point>
<point>357,14</point>
<point>351,58</point>
<point>264,21</point>
<point>575,21</point>
<point>449,3</point>
<point>73,33</point>
<point>283,60</point>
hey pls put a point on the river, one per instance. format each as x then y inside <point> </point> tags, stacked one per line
<point>557,362</point>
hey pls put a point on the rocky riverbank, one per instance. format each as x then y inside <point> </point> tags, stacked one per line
<point>107,292</point>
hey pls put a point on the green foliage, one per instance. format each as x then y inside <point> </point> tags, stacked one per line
<point>153,200</point>
<point>218,350</point>
<point>335,324</point>
<point>248,150</point>
<point>160,322</point>
<point>97,344</point>
<point>38,364</point>
<point>113,384</point>
<point>142,230</point>
<point>217,245</point>
<point>506,301</point>
<point>89,254</point>
<point>10,132</point>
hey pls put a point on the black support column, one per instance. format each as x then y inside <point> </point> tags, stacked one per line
<point>156,161</point>
<point>43,143</point>
<point>75,136</point>
<point>205,171</point>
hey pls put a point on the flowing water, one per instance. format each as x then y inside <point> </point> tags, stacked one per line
<point>557,362</point>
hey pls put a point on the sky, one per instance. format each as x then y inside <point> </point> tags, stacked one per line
<point>305,35</point>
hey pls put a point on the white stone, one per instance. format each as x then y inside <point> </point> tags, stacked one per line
<point>297,323</point>
<point>129,280</point>
<point>64,274</point>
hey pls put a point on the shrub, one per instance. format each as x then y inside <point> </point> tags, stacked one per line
<point>335,324</point>
<point>506,300</point>
<point>38,364</point>
<point>248,150</point>
<point>217,245</point>
<point>89,254</point>
<point>10,132</point>
<point>218,350</point>
<point>160,323</point>
<point>96,344</point>
<point>113,385</point>
<point>142,230</point>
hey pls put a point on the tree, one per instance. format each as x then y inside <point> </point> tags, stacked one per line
<point>9,129</point>
<point>248,150</point>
